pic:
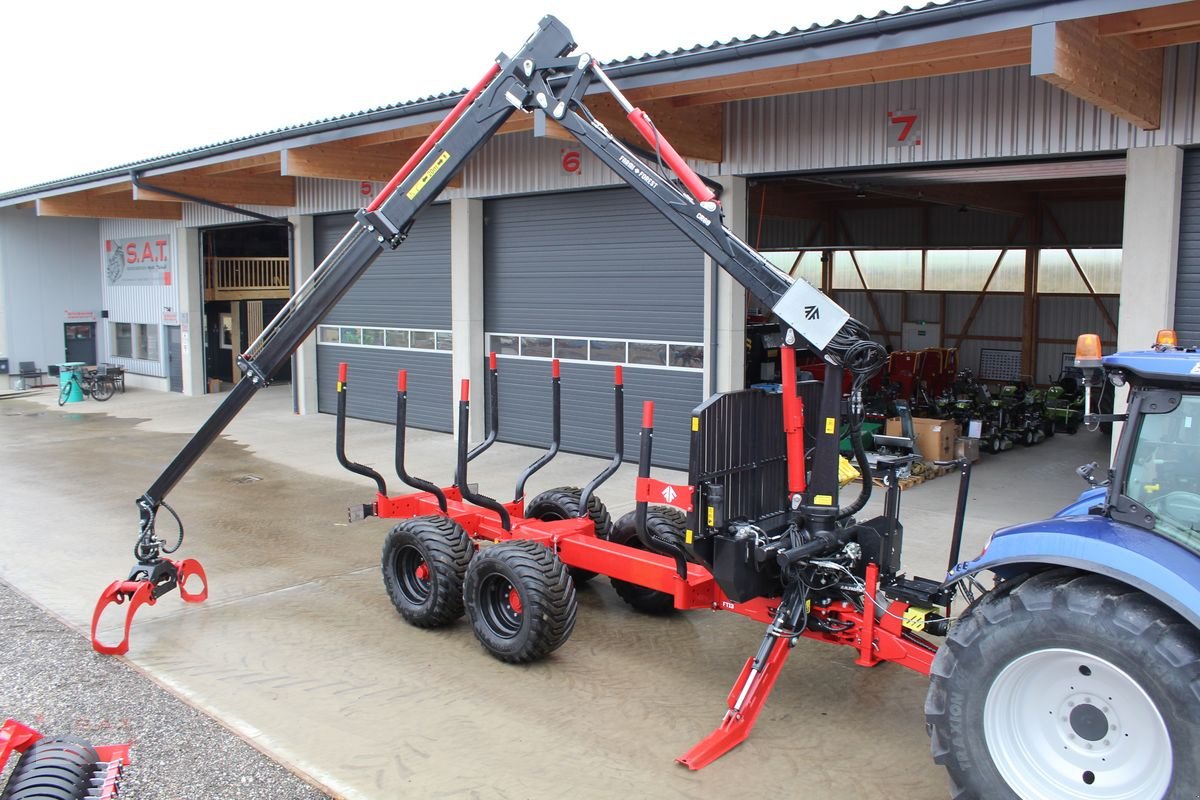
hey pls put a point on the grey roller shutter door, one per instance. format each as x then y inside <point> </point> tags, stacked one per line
<point>405,289</point>
<point>604,265</point>
<point>1187,284</point>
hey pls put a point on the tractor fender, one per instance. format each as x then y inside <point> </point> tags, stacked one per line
<point>1142,559</point>
<point>1088,498</point>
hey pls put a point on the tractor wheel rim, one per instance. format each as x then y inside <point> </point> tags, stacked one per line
<point>501,605</point>
<point>413,573</point>
<point>1063,724</point>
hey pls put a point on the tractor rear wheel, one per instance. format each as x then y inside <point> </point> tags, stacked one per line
<point>520,600</point>
<point>424,562</point>
<point>663,522</point>
<point>563,503</point>
<point>54,768</point>
<point>1069,686</point>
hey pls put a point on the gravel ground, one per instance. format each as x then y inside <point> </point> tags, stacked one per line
<point>51,680</point>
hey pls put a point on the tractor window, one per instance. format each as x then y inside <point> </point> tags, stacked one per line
<point>1164,471</point>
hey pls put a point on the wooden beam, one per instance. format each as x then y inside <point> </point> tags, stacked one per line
<point>346,161</point>
<point>240,164</point>
<point>90,206</point>
<point>969,63</point>
<point>1109,73</point>
<point>1150,19</point>
<point>249,188</point>
<point>697,133</point>
<point>945,53</point>
<point>1166,38</point>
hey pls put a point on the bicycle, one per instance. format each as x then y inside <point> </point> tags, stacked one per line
<point>96,384</point>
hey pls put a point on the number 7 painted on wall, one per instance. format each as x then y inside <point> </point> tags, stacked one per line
<point>904,129</point>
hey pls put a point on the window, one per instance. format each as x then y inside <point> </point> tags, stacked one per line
<point>1163,470</point>
<point>372,337</point>
<point>881,269</point>
<point>1057,272</point>
<point>135,340</point>
<point>968,270</point>
<point>122,340</point>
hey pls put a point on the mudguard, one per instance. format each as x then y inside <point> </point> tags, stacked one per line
<point>1088,498</point>
<point>1142,559</point>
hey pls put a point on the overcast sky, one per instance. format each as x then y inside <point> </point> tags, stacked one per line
<point>86,86</point>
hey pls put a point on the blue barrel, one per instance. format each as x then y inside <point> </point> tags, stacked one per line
<point>65,372</point>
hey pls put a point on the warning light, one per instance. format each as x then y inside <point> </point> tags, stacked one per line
<point>1166,339</point>
<point>1087,350</point>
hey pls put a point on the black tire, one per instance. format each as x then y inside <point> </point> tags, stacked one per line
<point>664,522</point>
<point>1044,647</point>
<point>520,600</point>
<point>102,389</point>
<point>996,445</point>
<point>64,392</point>
<point>1072,428</point>
<point>424,562</point>
<point>1027,438</point>
<point>54,768</point>
<point>563,503</point>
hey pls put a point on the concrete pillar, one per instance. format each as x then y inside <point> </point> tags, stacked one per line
<point>304,371</point>
<point>1153,181</point>
<point>466,308</point>
<point>190,275</point>
<point>725,303</point>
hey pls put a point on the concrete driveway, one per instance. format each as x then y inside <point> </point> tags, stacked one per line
<point>299,650</point>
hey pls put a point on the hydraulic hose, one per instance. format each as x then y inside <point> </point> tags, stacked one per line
<point>860,456</point>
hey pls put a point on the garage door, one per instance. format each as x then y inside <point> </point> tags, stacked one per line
<point>1187,285</point>
<point>597,279</point>
<point>396,317</point>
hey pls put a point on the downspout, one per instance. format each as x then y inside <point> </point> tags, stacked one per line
<point>291,244</point>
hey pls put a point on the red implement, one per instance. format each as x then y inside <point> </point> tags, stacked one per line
<point>146,590</point>
<point>105,771</point>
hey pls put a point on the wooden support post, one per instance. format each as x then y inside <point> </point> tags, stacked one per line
<point>1029,307</point>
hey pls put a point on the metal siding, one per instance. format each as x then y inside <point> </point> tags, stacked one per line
<point>588,408</point>
<point>408,287</point>
<point>372,380</point>
<point>925,307</point>
<point>859,306</point>
<point>405,288</point>
<point>521,163</point>
<point>1002,113</point>
<point>600,264</point>
<point>590,264</point>
<point>1187,282</point>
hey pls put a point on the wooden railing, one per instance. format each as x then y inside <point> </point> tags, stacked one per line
<point>235,278</point>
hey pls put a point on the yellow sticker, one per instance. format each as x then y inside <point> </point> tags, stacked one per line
<point>428,176</point>
<point>915,617</point>
<point>340,385</point>
<point>830,425</point>
<point>687,536</point>
<point>823,500</point>
<point>712,517</point>
<point>695,424</point>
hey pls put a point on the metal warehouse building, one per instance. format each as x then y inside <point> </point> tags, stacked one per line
<point>992,175</point>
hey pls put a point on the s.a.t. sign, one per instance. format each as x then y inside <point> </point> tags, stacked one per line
<point>138,262</point>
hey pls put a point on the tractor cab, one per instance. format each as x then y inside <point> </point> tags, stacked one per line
<point>1156,472</point>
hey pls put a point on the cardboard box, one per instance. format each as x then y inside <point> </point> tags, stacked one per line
<point>967,447</point>
<point>935,437</point>
<point>214,385</point>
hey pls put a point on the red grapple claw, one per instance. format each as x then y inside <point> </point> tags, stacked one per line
<point>153,582</point>
<point>138,593</point>
<point>187,568</point>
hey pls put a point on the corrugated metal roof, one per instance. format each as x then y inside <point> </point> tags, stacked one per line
<point>646,64</point>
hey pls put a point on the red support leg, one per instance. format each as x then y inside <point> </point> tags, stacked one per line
<point>745,702</point>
